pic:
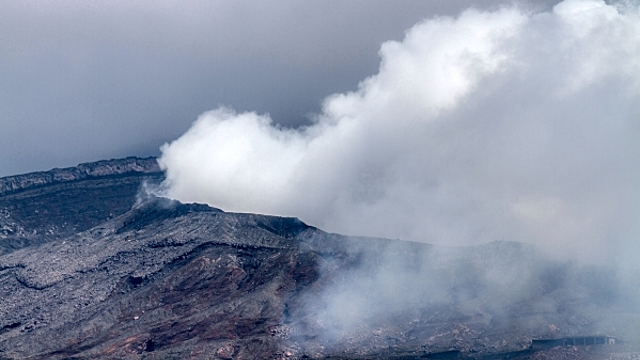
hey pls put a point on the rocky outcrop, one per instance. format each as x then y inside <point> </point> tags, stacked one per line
<point>103,168</point>
<point>44,206</point>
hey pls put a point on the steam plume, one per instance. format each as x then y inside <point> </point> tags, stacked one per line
<point>504,125</point>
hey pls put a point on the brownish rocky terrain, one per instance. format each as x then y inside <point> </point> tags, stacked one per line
<point>92,266</point>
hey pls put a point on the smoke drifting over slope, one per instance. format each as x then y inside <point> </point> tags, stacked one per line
<point>502,125</point>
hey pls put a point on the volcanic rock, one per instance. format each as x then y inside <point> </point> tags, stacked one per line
<point>93,266</point>
<point>46,206</point>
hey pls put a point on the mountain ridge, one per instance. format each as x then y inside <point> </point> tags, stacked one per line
<point>93,267</point>
<point>103,168</point>
<point>44,206</point>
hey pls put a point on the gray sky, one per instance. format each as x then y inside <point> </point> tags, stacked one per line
<point>83,81</point>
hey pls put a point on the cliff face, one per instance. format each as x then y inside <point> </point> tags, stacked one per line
<point>44,206</point>
<point>105,168</point>
<point>93,270</point>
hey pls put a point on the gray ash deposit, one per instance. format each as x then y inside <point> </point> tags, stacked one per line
<point>91,267</point>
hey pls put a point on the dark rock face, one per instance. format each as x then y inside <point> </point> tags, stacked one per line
<point>105,168</point>
<point>101,272</point>
<point>45,206</point>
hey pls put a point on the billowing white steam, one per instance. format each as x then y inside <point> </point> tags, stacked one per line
<point>491,126</point>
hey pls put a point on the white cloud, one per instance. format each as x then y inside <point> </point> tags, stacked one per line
<point>502,125</point>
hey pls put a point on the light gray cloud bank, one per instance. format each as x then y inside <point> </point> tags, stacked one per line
<point>494,125</point>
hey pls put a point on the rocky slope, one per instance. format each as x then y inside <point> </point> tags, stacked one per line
<point>122,274</point>
<point>44,206</point>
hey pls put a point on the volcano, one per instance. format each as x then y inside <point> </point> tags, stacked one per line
<point>94,266</point>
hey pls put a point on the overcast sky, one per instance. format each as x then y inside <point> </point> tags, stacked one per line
<point>86,80</point>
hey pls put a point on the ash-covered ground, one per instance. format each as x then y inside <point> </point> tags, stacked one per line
<point>93,267</point>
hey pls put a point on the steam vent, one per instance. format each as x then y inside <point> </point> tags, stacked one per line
<point>93,265</point>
